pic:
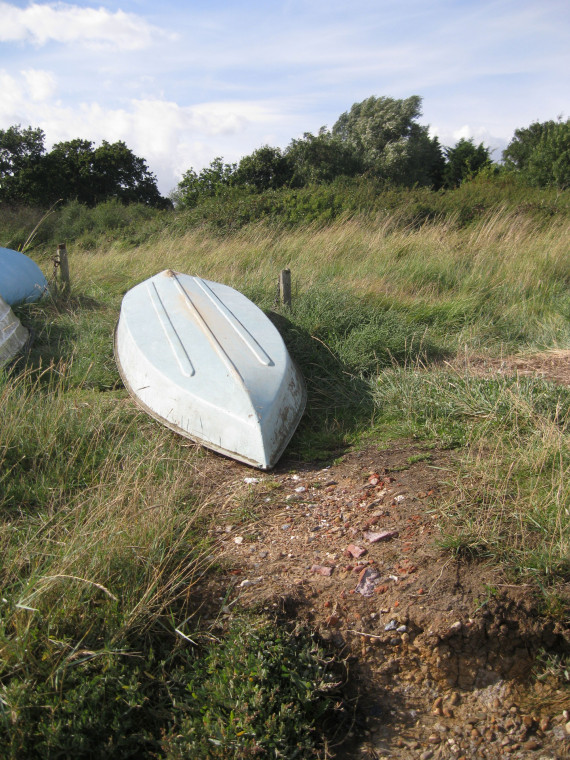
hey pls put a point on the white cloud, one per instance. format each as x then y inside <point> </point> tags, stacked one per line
<point>449,138</point>
<point>25,96</point>
<point>59,22</point>
<point>41,84</point>
<point>11,96</point>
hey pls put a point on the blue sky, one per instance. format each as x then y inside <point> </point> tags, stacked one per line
<point>184,81</point>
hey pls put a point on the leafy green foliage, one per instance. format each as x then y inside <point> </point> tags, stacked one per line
<point>384,134</point>
<point>99,708</point>
<point>111,221</point>
<point>541,153</point>
<point>265,169</point>
<point>233,207</point>
<point>263,692</point>
<point>464,162</point>
<point>92,175</point>
<point>22,171</point>
<point>19,146</point>
<point>321,158</point>
<point>378,137</point>
<point>209,183</point>
<point>73,170</point>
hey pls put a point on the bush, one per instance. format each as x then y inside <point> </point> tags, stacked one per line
<point>263,690</point>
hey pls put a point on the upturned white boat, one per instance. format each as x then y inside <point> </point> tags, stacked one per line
<point>21,279</point>
<point>13,336</point>
<point>205,361</point>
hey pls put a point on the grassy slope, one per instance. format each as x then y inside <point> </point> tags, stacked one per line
<point>99,557</point>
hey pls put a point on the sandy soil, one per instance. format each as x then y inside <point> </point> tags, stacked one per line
<point>441,650</point>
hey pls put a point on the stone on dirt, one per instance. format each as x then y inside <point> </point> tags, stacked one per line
<point>369,579</point>
<point>385,535</point>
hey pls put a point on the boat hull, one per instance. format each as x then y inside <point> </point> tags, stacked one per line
<point>206,362</point>
<point>21,279</point>
<point>13,336</point>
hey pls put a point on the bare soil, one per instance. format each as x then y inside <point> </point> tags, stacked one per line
<point>441,650</point>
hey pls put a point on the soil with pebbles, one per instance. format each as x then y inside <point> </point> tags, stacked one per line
<point>442,651</point>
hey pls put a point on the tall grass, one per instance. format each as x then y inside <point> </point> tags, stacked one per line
<point>82,492</point>
<point>501,281</point>
<point>102,515</point>
<point>103,539</point>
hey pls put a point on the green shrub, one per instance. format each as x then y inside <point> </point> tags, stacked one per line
<point>260,691</point>
<point>263,692</point>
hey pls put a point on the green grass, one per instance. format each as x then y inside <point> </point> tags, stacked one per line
<point>511,496</point>
<point>97,613</point>
<point>103,513</point>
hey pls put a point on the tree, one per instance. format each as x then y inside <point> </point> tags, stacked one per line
<point>265,169</point>
<point>21,168</point>
<point>464,161</point>
<point>210,182</point>
<point>385,137</point>
<point>321,158</point>
<point>517,153</point>
<point>541,153</point>
<point>118,173</point>
<point>73,170</point>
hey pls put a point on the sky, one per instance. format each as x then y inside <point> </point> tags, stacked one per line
<point>184,81</point>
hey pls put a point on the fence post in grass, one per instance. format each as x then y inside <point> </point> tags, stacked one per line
<point>285,287</point>
<point>62,264</point>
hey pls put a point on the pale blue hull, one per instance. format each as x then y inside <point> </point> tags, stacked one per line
<point>206,362</point>
<point>21,279</point>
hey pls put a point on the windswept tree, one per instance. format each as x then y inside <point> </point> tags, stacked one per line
<point>384,135</point>
<point>541,153</point>
<point>464,161</point>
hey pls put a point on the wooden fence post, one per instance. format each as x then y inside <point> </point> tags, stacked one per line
<point>63,265</point>
<point>285,287</point>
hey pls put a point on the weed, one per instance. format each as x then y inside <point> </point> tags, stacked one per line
<point>425,457</point>
<point>553,666</point>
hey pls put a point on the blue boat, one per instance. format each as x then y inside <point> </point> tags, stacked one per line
<point>21,279</point>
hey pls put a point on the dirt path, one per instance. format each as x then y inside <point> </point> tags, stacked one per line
<point>442,650</point>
